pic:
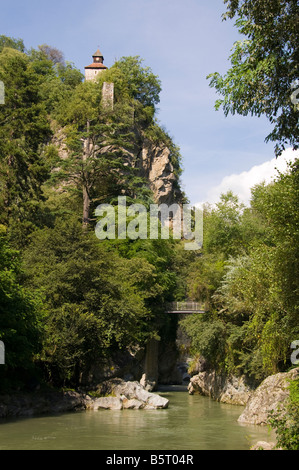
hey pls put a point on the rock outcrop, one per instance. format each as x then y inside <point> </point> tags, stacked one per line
<point>155,165</point>
<point>124,395</point>
<point>272,394</point>
<point>262,445</point>
<point>127,395</point>
<point>152,162</point>
<point>39,403</point>
<point>226,389</point>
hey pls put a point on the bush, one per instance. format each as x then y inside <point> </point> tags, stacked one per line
<point>286,424</point>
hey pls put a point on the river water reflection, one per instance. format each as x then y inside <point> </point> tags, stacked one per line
<point>190,423</point>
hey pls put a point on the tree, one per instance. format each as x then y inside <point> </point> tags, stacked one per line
<point>13,43</point>
<point>248,276</point>
<point>264,67</point>
<point>99,140</point>
<point>142,84</point>
<point>53,54</point>
<point>58,79</point>
<point>23,133</point>
<point>21,316</point>
<point>102,140</point>
<point>222,226</point>
<point>98,297</point>
<point>94,299</point>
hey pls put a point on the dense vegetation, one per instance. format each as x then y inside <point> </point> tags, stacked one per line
<point>248,271</point>
<point>248,276</point>
<point>67,300</point>
<point>264,67</point>
<point>286,422</point>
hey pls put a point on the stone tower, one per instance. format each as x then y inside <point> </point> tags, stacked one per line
<point>92,70</point>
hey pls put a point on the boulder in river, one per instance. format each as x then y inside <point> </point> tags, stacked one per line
<point>107,403</point>
<point>127,395</point>
<point>121,395</point>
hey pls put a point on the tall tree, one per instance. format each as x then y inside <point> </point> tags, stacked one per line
<point>264,67</point>
<point>94,299</point>
<point>253,295</point>
<point>24,131</point>
<point>102,139</point>
<point>99,141</point>
<point>21,316</point>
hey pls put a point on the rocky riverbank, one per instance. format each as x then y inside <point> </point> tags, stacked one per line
<point>226,389</point>
<point>122,395</point>
<point>259,401</point>
<point>272,394</point>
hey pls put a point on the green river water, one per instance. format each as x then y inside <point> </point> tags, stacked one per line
<point>190,423</point>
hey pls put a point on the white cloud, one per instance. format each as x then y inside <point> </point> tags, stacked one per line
<point>241,184</point>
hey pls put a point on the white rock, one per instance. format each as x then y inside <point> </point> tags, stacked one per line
<point>107,403</point>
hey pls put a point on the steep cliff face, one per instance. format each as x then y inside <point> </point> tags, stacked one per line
<point>153,160</point>
<point>226,389</point>
<point>155,165</point>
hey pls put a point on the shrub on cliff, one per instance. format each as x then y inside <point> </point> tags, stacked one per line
<point>286,424</point>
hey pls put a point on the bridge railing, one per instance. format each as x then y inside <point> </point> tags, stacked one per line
<point>185,307</point>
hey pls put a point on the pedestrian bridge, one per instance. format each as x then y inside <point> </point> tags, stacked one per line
<point>185,307</point>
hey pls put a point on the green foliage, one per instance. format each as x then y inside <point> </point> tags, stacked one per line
<point>208,336</point>
<point>24,129</point>
<point>93,298</point>
<point>97,297</point>
<point>13,43</point>
<point>34,87</point>
<point>264,66</point>
<point>222,226</point>
<point>286,424</point>
<point>141,83</point>
<point>248,277</point>
<point>112,136</point>
<point>21,316</point>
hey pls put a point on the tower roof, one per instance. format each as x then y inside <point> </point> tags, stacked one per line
<point>97,53</point>
<point>96,66</point>
<point>98,60</point>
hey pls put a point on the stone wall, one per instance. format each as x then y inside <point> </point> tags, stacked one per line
<point>91,74</point>
<point>108,95</point>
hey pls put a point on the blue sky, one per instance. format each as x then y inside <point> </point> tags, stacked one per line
<point>182,41</point>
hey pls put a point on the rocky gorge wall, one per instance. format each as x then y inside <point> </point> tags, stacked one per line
<point>226,389</point>
<point>154,162</point>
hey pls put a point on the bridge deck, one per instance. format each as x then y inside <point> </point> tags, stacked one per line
<point>185,307</point>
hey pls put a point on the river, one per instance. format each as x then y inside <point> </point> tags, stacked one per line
<point>189,423</point>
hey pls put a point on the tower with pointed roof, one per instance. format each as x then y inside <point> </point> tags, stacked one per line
<point>92,70</point>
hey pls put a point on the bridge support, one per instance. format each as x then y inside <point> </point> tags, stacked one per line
<point>150,377</point>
